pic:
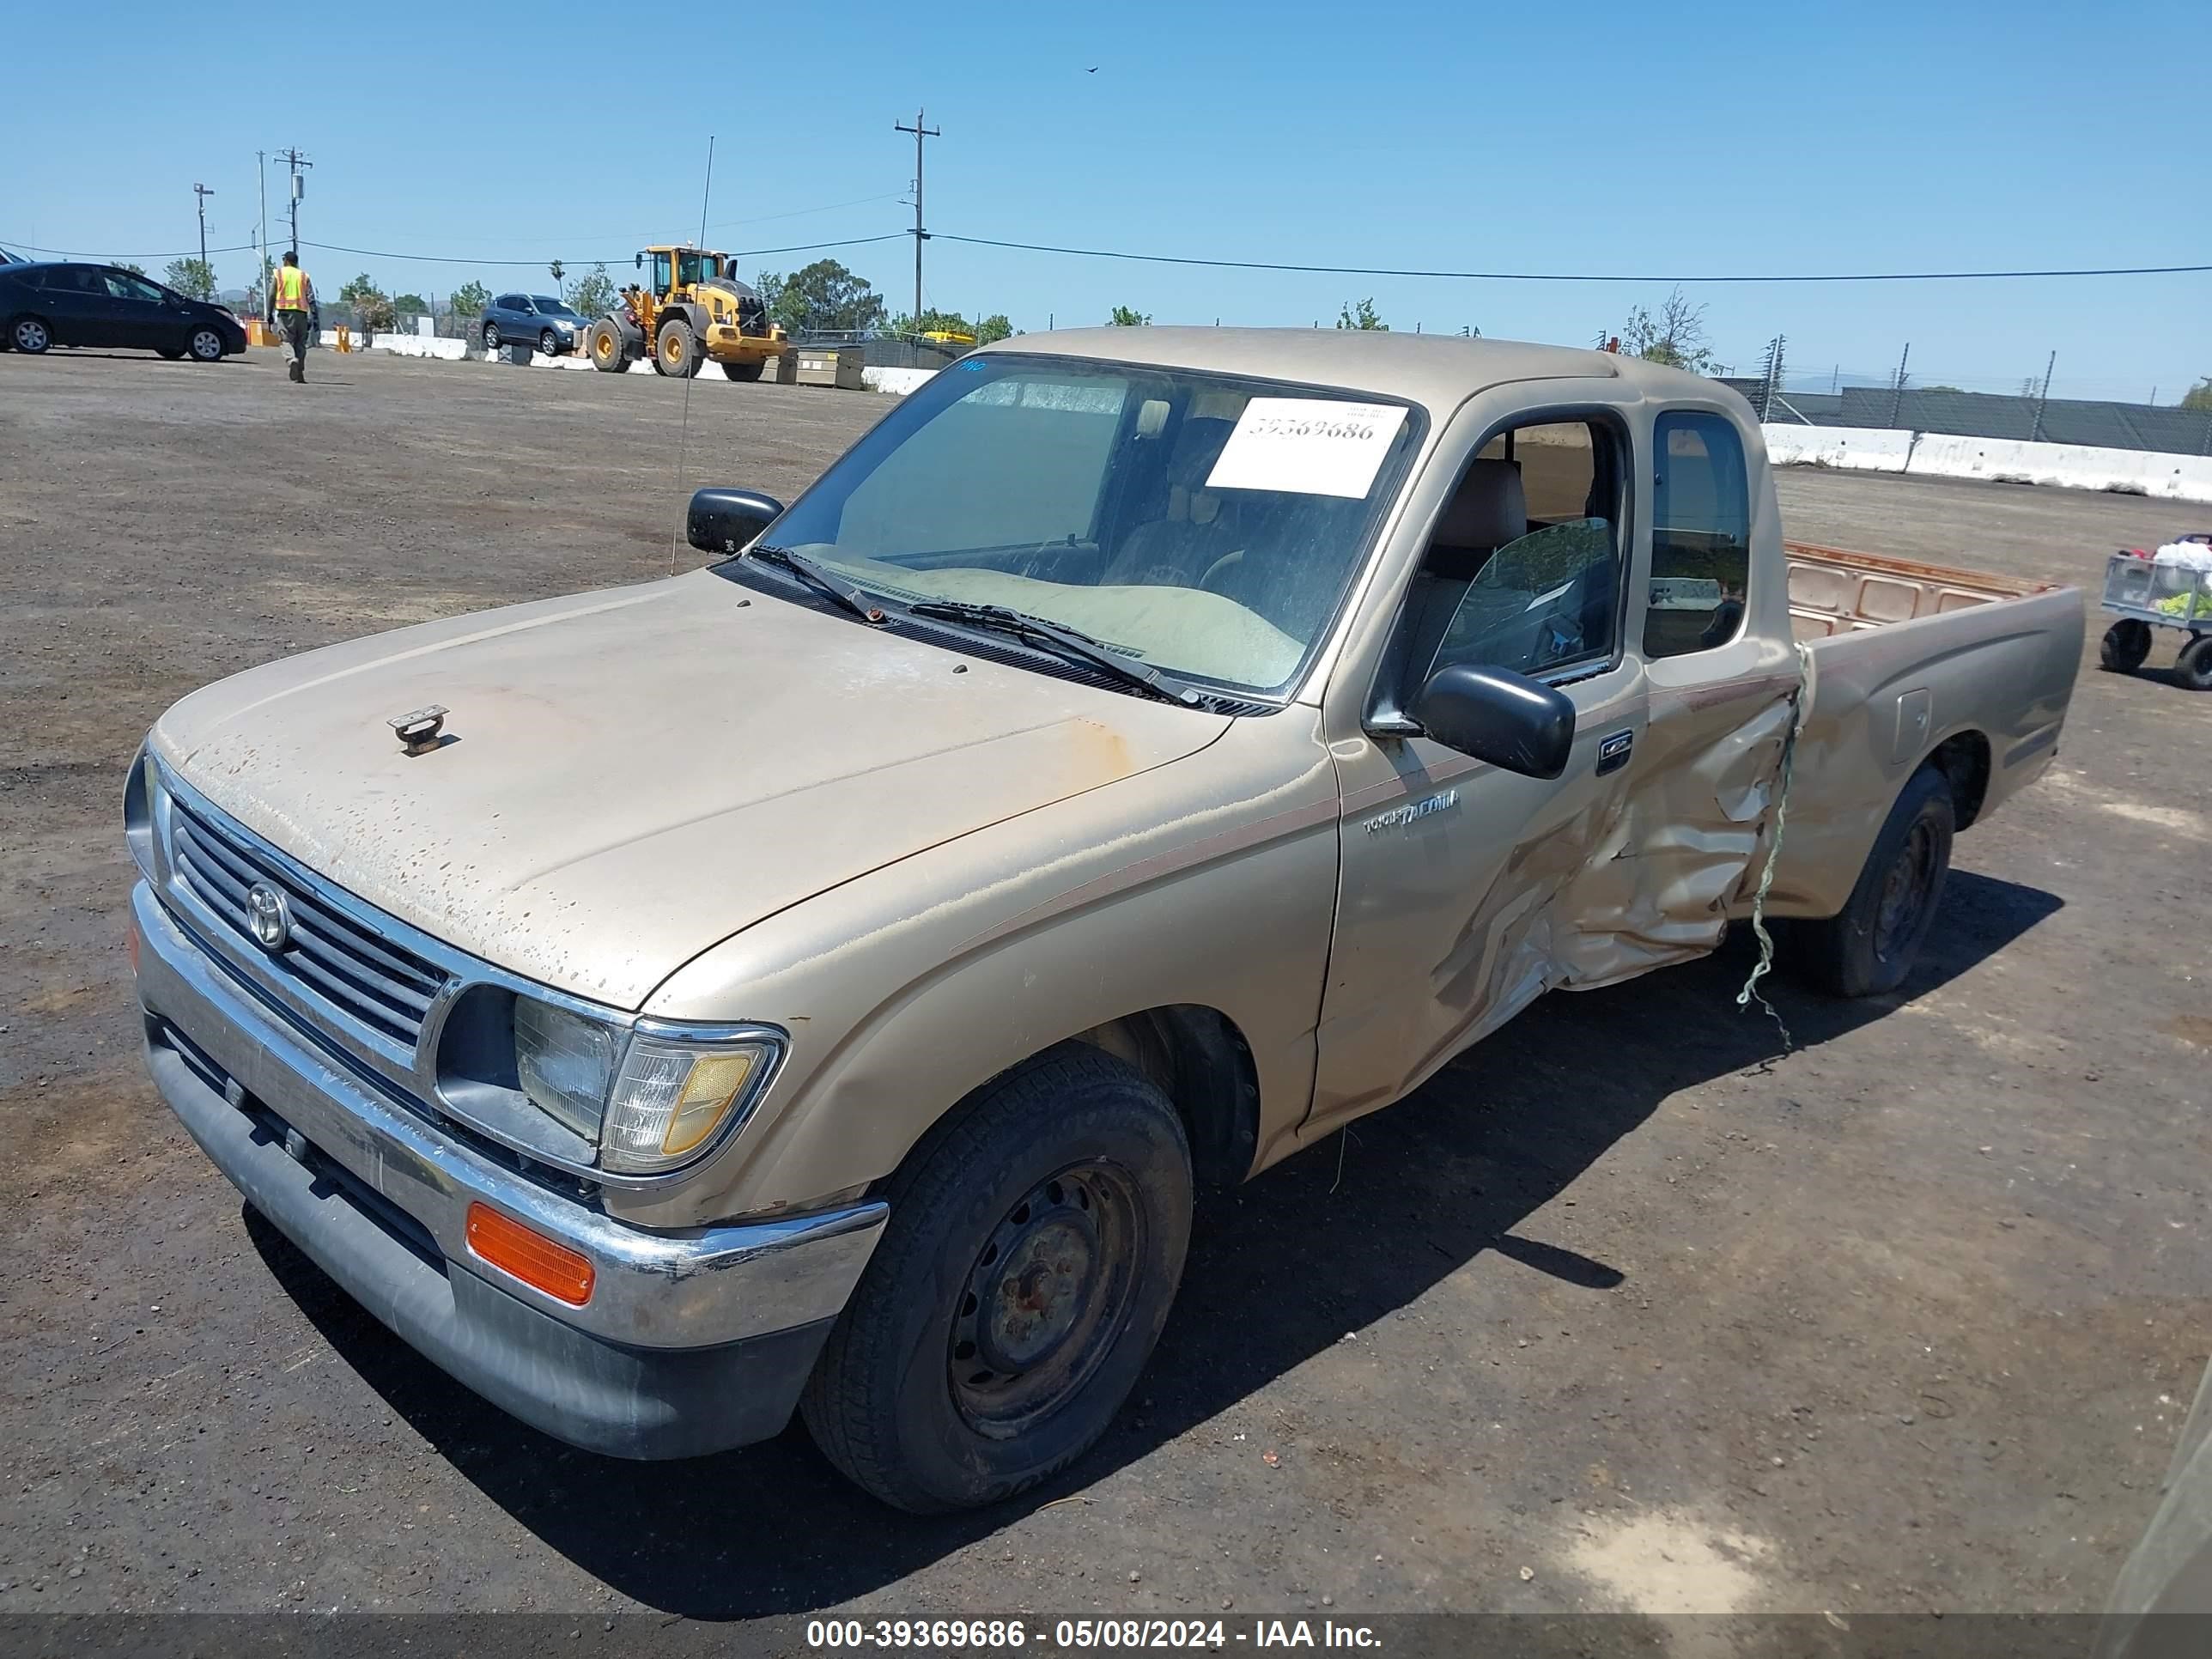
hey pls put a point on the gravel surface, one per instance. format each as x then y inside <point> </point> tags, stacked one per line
<point>1624,1310</point>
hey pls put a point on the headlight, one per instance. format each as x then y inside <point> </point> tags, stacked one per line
<point>651,1104</point>
<point>563,1062</point>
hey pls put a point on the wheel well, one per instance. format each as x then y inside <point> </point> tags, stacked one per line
<point>1964,759</point>
<point>1197,1057</point>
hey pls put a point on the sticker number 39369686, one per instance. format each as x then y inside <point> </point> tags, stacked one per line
<point>1307,446</point>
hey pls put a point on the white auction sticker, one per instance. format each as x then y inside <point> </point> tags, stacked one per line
<point>1307,446</point>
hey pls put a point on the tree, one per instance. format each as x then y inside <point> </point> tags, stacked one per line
<point>1363,316</point>
<point>470,299</point>
<point>1676,337</point>
<point>371,307</point>
<point>409,305</point>
<point>193,277</point>
<point>931,321</point>
<point>994,329</point>
<point>594,295</point>
<point>134,269</point>
<point>1124,317</point>
<point>2198,397</point>
<point>822,298</point>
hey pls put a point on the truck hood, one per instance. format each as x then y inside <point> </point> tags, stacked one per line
<point>631,777</point>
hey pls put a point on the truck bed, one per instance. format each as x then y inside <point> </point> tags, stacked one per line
<point>1832,591</point>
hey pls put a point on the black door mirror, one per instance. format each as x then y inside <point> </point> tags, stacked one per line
<point>1497,715</point>
<point>726,520</point>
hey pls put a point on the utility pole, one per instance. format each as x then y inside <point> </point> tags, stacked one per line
<point>261,234</point>
<point>1773,378</point>
<point>921,235</point>
<point>2035,432</point>
<point>1896,395</point>
<point>203,192</point>
<point>293,159</point>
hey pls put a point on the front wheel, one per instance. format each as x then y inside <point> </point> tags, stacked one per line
<point>492,336</point>
<point>2126,643</point>
<point>2193,667</point>
<point>677,351</point>
<point>29,335</point>
<point>1869,948</point>
<point>1035,1240</point>
<point>549,343</point>
<point>206,346</point>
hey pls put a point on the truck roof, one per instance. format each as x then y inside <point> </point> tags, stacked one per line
<point>1438,370</point>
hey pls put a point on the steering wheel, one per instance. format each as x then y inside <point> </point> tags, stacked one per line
<point>1227,560</point>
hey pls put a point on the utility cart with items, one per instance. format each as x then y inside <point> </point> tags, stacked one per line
<point>2170,588</point>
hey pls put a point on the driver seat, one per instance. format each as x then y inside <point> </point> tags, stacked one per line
<point>1177,550</point>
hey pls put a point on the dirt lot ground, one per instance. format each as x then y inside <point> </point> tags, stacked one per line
<point>1623,1312</point>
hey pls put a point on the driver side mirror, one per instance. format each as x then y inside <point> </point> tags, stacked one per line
<point>1495,716</point>
<point>726,520</point>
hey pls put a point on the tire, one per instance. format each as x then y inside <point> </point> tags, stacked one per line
<point>492,336</point>
<point>945,1384</point>
<point>2193,667</point>
<point>549,343</point>
<point>1868,949</point>
<point>676,349</point>
<point>745,371</point>
<point>606,346</point>
<point>205,346</point>
<point>30,336</point>
<point>2126,643</point>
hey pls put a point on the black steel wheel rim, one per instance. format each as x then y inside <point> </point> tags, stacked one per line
<point>1904,890</point>
<point>1047,1298</point>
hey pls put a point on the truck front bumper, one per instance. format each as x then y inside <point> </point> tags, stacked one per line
<point>689,1343</point>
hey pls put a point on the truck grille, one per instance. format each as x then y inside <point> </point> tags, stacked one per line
<point>384,985</point>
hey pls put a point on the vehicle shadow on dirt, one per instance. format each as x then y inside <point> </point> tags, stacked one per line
<point>1278,1272</point>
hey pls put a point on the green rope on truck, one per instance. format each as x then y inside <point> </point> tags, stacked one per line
<point>1801,702</point>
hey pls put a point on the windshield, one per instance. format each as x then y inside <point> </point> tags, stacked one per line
<point>557,307</point>
<point>1198,523</point>
<point>695,267</point>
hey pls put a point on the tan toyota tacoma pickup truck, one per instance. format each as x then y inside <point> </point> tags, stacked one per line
<point>820,981</point>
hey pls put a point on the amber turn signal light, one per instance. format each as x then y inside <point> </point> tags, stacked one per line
<point>532,1257</point>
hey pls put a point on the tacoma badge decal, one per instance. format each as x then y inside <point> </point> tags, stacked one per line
<point>1410,811</point>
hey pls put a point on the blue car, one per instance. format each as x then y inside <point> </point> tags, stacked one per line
<point>544,322</point>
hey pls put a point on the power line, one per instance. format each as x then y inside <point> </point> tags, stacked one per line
<point>452,259</point>
<point>1568,277</point>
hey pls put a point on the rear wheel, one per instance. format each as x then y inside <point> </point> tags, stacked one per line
<point>2193,667</point>
<point>677,351</point>
<point>29,334</point>
<point>1036,1241</point>
<point>206,346</point>
<point>1869,948</point>
<point>605,346</point>
<point>2127,643</point>
<point>750,370</point>
<point>492,336</point>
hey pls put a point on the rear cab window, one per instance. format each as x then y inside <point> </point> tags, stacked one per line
<point>1700,535</point>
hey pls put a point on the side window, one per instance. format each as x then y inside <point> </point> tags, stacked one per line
<point>1523,568</point>
<point>1701,536</point>
<point>508,302</point>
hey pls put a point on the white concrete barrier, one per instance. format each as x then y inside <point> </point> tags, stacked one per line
<point>2007,460</point>
<point>1853,448</point>
<point>897,382</point>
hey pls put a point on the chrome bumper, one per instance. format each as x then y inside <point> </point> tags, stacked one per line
<point>388,1221</point>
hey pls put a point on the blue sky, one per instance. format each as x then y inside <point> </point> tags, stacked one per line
<point>1654,137</point>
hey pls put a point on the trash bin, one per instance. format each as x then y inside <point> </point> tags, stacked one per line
<point>516,351</point>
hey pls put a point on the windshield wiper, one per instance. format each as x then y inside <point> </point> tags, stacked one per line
<point>1068,642</point>
<point>841,594</point>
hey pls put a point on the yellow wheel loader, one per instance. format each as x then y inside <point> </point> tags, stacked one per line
<point>694,311</point>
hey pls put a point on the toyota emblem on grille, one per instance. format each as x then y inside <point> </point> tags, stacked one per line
<point>270,915</point>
